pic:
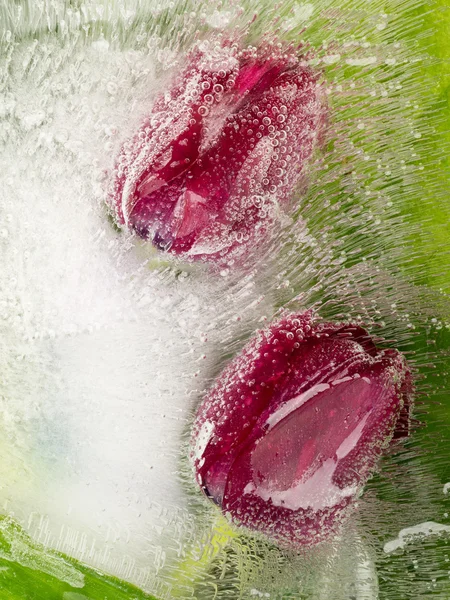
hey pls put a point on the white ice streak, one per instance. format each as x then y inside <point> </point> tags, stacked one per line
<point>361,62</point>
<point>330,59</point>
<point>203,437</point>
<point>301,14</point>
<point>295,403</point>
<point>219,19</point>
<point>317,492</point>
<point>415,533</point>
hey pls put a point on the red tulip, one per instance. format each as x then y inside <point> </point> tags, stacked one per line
<point>220,152</point>
<point>293,427</point>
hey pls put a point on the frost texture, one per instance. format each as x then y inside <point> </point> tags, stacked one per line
<point>102,351</point>
<point>100,338</point>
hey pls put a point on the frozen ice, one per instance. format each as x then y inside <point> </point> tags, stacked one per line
<point>106,347</point>
<point>103,353</point>
<point>416,532</point>
<point>361,62</point>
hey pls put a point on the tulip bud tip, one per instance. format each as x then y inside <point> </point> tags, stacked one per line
<point>296,424</point>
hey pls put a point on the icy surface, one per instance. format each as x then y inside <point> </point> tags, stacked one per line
<point>107,348</point>
<point>416,532</point>
<point>103,354</point>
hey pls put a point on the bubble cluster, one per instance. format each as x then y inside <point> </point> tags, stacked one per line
<point>236,123</point>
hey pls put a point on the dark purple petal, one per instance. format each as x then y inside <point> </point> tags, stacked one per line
<point>294,426</point>
<point>220,151</point>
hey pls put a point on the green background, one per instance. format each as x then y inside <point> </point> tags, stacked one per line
<point>27,571</point>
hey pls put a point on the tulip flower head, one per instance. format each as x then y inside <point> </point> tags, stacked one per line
<point>219,155</point>
<point>294,426</point>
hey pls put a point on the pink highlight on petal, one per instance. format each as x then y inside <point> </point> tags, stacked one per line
<point>297,424</point>
<point>150,184</point>
<point>190,213</point>
<point>237,128</point>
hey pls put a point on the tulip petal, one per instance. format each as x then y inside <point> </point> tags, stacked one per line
<point>296,425</point>
<point>236,128</point>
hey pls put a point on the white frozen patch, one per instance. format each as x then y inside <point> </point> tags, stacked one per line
<point>249,488</point>
<point>416,532</point>
<point>298,401</point>
<point>350,442</point>
<point>300,16</point>
<point>74,596</point>
<point>219,19</point>
<point>331,59</point>
<point>361,62</point>
<point>317,492</point>
<point>101,45</point>
<point>216,59</point>
<point>303,12</point>
<point>203,437</point>
<point>341,380</point>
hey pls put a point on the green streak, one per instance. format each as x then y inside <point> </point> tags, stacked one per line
<point>201,557</point>
<point>432,211</point>
<point>29,571</point>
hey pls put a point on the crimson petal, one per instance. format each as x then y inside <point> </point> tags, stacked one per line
<point>294,426</point>
<point>220,152</point>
